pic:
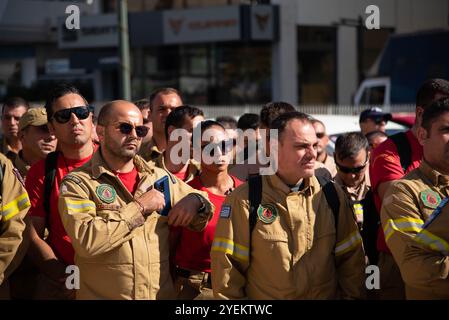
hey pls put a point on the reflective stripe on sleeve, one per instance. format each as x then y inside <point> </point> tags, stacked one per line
<point>229,247</point>
<point>349,243</point>
<point>404,225</point>
<point>80,205</point>
<point>15,206</point>
<point>432,241</point>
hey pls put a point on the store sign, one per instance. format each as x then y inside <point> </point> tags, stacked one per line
<point>262,22</point>
<point>95,32</point>
<point>202,25</point>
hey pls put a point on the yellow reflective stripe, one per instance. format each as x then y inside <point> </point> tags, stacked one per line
<point>432,241</point>
<point>348,244</point>
<point>80,205</point>
<point>358,209</point>
<point>229,247</point>
<point>15,206</point>
<point>403,225</point>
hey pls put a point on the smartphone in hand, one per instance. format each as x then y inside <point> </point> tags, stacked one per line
<point>162,185</point>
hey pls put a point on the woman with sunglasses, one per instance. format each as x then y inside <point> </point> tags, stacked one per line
<point>192,257</point>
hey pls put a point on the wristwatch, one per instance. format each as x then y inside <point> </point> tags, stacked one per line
<point>203,203</point>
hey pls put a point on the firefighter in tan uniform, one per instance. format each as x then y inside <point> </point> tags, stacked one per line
<point>15,204</point>
<point>295,250</point>
<point>431,244</point>
<point>410,202</point>
<point>118,221</point>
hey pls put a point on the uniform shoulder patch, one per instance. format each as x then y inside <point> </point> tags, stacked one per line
<point>225,211</point>
<point>73,178</point>
<point>267,213</point>
<point>430,198</point>
<point>106,193</point>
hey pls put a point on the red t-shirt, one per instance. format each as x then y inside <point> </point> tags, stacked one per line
<point>386,166</point>
<point>129,179</point>
<point>181,175</point>
<point>193,251</point>
<point>58,239</point>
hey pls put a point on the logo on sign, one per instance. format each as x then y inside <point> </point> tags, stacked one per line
<point>262,21</point>
<point>176,25</point>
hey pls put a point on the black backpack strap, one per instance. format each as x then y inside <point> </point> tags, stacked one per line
<point>404,149</point>
<point>331,196</point>
<point>255,197</point>
<point>50,173</point>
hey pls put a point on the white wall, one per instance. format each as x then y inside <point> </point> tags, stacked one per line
<point>284,55</point>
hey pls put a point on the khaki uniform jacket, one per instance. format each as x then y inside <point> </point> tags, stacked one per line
<point>299,255</point>
<point>6,150</point>
<point>120,254</point>
<point>15,205</point>
<point>431,245</point>
<point>356,195</point>
<point>21,165</point>
<point>193,167</point>
<point>407,205</point>
<point>149,150</point>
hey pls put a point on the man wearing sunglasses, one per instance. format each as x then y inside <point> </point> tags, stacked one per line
<point>13,109</point>
<point>177,158</point>
<point>70,120</point>
<point>323,139</point>
<point>351,160</point>
<point>373,119</point>
<point>116,210</point>
<point>162,102</point>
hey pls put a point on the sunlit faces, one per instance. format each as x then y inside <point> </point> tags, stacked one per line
<point>123,134</point>
<point>296,150</point>
<point>75,131</point>
<point>436,143</point>
<point>216,148</point>
<point>38,141</point>
<point>162,105</point>
<point>10,121</point>
<point>322,137</point>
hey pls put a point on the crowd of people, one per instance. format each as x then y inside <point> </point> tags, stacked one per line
<point>144,207</point>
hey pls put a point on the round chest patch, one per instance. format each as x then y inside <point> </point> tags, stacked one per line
<point>430,198</point>
<point>267,213</point>
<point>106,193</point>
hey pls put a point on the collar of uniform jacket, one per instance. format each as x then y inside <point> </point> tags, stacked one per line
<point>276,183</point>
<point>100,167</point>
<point>149,150</point>
<point>193,167</point>
<point>435,177</point>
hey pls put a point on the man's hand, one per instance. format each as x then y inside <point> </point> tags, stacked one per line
<point>152,200</point>
<point>184,211</point>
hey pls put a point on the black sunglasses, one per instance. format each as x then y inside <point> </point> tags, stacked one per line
<point>351,170</point>
<point>379,120</point>
<point>63,116</point>
<point>320,135</point>
<point>225,146</point>
<point>126,128</point>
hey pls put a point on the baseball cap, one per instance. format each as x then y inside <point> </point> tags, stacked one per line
<point>374,113</point>
<point>33,117</point>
